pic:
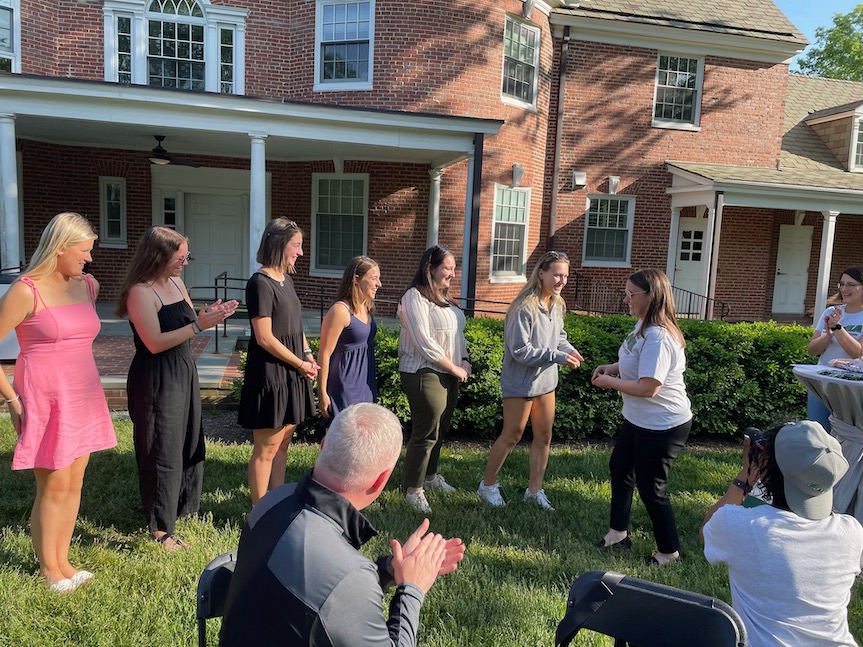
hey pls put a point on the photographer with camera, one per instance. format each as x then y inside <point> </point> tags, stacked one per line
<point>791,562</point>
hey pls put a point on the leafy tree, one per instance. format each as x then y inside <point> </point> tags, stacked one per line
<point>838,50</point>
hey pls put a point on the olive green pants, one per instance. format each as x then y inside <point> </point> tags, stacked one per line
<point>432,397</point>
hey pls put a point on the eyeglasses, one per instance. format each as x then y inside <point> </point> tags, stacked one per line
<point>183,259</point>
<point>632,294</point>
<point>558,256</point>
<point>849,286</point>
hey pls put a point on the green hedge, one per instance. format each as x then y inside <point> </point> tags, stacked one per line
<point>737,375</point>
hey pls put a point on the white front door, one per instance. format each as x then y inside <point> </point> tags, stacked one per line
<point>217,230</point>
<point>690,265</point>
<point>792,269</point>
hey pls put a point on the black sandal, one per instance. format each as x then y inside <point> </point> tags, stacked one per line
<point>625,543</point>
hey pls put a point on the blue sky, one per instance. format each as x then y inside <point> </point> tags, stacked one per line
<point>809,14</point>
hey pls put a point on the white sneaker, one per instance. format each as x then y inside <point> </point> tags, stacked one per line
<point>539,499</point>
<point>438,483</point>
<point>491,494</point>
<point>417,500</point>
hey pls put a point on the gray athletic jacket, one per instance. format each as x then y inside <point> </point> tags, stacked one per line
<point>534,344</point>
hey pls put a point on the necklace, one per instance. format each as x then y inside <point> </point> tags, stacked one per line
<point>280,282</point>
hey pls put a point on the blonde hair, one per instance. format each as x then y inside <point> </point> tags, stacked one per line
<point>530,293</point>
<point>64,230</point>
<point>660,307</point>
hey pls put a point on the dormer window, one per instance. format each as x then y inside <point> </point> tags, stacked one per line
<point>858,148</point>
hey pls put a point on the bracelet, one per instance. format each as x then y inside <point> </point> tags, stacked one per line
<point>17,397</point>
<point>196,327</point>
<point>307,351</point>
<point>743,485</point>
<point>300,366</point>
<point>836,327</point>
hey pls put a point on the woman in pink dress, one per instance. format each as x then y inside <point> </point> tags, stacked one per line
<point>57,405</point>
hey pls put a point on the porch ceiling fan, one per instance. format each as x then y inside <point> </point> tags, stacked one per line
<point>162,157</point>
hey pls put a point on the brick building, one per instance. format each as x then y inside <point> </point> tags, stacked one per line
<point>667,135</point>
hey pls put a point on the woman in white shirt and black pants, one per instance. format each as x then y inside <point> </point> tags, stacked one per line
<point>433,360</point>
<point>656,413</point>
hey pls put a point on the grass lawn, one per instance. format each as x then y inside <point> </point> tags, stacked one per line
<point>510,590</point>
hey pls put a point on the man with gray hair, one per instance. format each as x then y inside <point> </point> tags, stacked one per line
<point>300,578</point>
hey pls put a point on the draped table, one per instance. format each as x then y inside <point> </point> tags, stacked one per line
<point>843,395</point>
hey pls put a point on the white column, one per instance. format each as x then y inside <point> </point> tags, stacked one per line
<point>825,262</point>
<point>673,232</point>
<point>257,197</point>
<point>434,207</point>
<point>10,252</point>
<point>468,211</point>
<point>708,247</point>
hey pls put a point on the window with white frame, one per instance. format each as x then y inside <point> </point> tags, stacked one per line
<point>112,212</point>
<point>339,219</point>
<point>520,61</point>
<point>858,147</point>
<point>509,234</point>
<point>186,44</point>
<point>344,44</point>
<point>678,90</point>
<point>608,230</point>
<point>10,28</point>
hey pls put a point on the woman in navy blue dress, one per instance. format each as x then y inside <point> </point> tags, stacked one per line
<point>347,354</point>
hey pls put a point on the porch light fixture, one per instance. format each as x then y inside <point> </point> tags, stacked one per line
<point>527,8</point>
<point>517,174</point>
<point>613,183</point>
<point>579,179</point>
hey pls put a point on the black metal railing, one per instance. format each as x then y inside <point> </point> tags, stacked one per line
<point>589,296</point>
<point>584,295</point>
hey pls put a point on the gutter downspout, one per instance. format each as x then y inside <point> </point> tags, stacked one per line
<point>558,135</point>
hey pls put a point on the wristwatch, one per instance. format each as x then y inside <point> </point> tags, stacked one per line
<point>743,485</point>
<point>836,327</point>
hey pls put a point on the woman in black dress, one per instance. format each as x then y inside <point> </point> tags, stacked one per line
<point>162,387</point>
<point>277,390</point>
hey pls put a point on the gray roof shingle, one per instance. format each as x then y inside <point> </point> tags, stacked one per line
<point>753,18</point>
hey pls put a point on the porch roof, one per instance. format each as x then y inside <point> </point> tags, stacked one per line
<point>754,186</point>
<point>740,17</point>
<point>107,115</point>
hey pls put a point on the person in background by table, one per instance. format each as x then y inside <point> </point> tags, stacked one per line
<point>433,360</point>
<point>57,406</point>
<point>346,355</point>
<point>535,345</point>
<point>163,391</point>
<point>792,563</point>
<point>277,391</point>
<point>838,333</point>
<point>656,413</point>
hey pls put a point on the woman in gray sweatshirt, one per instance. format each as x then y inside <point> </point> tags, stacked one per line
<point>534,345</point>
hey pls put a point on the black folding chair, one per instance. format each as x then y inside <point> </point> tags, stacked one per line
<point>645,614</point>
<point>213,588</point>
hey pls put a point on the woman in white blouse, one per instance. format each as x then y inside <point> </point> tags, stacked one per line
<point>433,360</point>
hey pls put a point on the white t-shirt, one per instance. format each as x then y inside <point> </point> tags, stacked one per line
<point>657,354</point>
<point>791,577</point>
<point>851,321</point>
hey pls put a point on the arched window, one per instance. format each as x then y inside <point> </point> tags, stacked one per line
<point>185,44</point>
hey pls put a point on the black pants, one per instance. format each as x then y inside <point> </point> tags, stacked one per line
<point>643,458</point>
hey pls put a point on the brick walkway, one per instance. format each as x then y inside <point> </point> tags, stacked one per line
<point>113,354</point>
